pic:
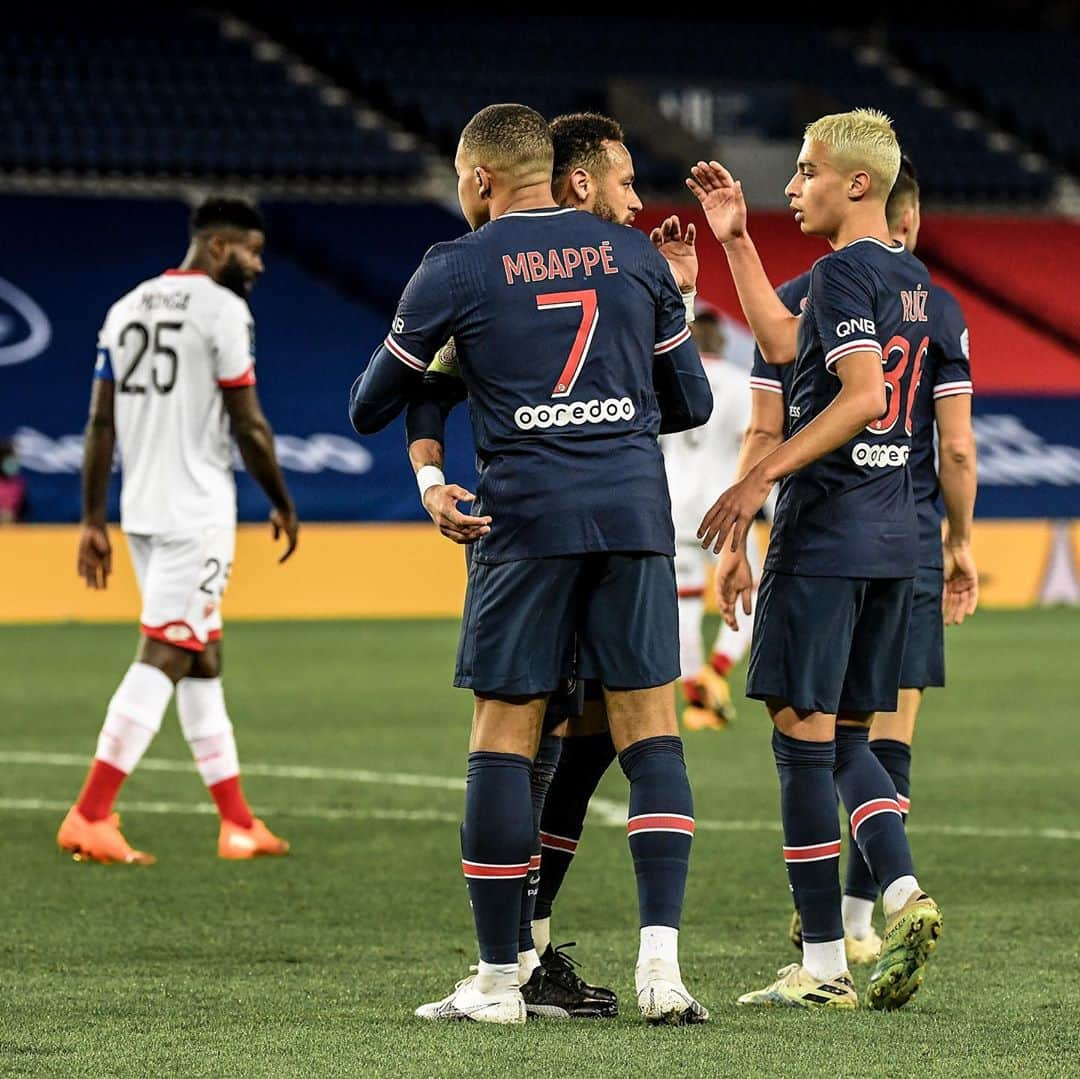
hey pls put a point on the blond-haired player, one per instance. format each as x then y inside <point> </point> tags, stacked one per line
<point>835,597</point>
<point>176,369</point>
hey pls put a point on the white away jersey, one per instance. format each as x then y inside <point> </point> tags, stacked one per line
<point>701,463</point>
<point>169,347</point>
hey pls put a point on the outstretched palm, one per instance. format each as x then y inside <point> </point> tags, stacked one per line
<point>721,197</point>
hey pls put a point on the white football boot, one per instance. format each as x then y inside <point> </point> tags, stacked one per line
<point>467,1003</point>
<point>663,999</point>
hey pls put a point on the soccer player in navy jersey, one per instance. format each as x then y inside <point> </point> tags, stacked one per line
<point>943,402</point>
<point>559,321</point>
<point>592,171</point>
<point>835,598</point>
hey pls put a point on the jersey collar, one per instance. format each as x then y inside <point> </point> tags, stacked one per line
<point>540,211</point>
<point>874,240</point>
<point>185,273</point>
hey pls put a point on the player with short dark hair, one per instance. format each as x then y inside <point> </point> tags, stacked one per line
<point>943,402</point>
<point>176,370</point>
<point>564,555</point>
<point>594,172</point>
<point>835,598</point>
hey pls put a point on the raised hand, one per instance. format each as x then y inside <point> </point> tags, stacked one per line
<point>678,248</point>
<point>441,502</point>
<point>721,197</point>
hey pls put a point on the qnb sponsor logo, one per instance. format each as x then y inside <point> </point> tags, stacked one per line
<point>575,414</point>
<point>886,455</point>
<point>39,452</point>
<point>855,325</point>
<point>1012,455</point>
<point>24,328</point>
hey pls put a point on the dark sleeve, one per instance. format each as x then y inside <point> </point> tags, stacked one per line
<point>427,414</point>
<point>423,321</point>
<point>951,339</point>
<point>682,388</point>
<point>842,300</point>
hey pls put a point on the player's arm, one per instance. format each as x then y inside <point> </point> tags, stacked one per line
<point>958,478</point>
<point>387,385</point>
<point>682,388</point>
<point>95,552</point>
<point>721,197</point>
<point>425,431</point>
<point>734,577</point>
<point>255,440</point>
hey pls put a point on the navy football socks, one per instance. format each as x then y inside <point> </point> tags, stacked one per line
<point>660,827</point>
<point>870,799</point>
<point>582,765</point>
<point>811,833</point>
<point>543,770</point>
<point>895,758</point>
<point>496,840</point>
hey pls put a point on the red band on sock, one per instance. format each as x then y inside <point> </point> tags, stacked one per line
<point>99,792</point>
<point>721,664</point>
<point>231,803</point>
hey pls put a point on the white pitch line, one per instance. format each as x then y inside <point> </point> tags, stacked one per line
<point>603,811</point>
<point>33,805</point>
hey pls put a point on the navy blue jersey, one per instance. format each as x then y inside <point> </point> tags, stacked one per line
<point>558,319</point>
<point>946,372</point>
<point>851,513</point>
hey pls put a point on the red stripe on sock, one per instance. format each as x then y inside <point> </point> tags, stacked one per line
<point>905,803</point>
<point>660,822</point>
<point>869,809</point>
<point>505,872</point>
<point>99,792</point>
<point>813,853</point>
<point>231,803</point>
<point>558,842</point>
<point>721,664</point>
<point>534,862</point>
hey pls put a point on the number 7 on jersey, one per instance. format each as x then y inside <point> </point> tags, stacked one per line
<point>586,300</point>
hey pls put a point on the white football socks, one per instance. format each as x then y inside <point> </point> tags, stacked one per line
<point>204,720</point>
<point>541,931</point>
<point>496,977</point>
<point>527,963</point>
<point>898,893</point>
<point>691,657</point>
<point>658,955</point>
<point>825,960</point>
<point>858,916</point>
<point>134,716</point>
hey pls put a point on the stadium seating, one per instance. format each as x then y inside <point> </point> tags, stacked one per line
<point>133,92</point>
<point>432,77</point>
<point>1026,80</point>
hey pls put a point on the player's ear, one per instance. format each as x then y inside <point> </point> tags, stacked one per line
<point>483,181</point>
<point>580,180</point>
<point>858,184</point>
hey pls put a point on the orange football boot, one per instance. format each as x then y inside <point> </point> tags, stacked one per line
<point>98,840</point>
<point>236,842</point>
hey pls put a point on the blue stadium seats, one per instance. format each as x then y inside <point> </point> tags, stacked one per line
<point>136,90</point>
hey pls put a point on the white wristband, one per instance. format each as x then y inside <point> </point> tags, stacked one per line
<point>429,476</point>
<point>688,302</point>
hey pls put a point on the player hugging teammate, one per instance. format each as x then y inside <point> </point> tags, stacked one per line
<point>547,533</point>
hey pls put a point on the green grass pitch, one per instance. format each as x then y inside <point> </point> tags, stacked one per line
<point>311,965</point>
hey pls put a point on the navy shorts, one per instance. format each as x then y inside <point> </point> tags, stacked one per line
<point>829,644</point>
<point>524,619</point>
<point>924,651</point>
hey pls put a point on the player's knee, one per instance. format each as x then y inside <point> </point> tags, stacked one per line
<point>174,662</point>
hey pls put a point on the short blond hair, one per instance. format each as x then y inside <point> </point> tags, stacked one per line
<point>864,139</point>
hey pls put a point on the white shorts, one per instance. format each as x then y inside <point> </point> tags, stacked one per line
<point>692,562</point>
<point>182,577</point>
